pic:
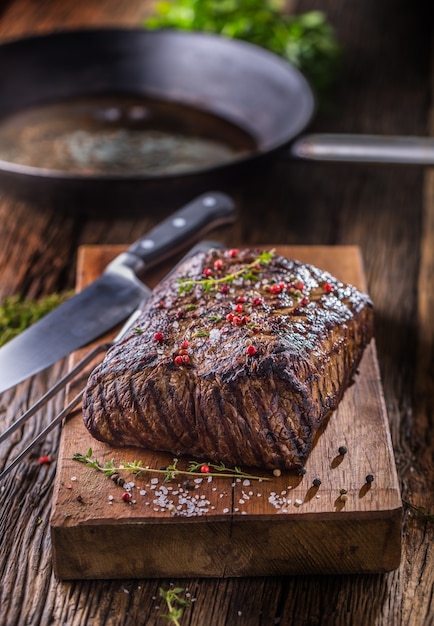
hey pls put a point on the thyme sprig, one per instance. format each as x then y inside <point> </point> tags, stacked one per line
<point>420,510</point>
<point>175,604</point>
<point>248,272</point>
<point>171,472</point>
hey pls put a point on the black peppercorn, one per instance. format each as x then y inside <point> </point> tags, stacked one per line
<point>316,482</point>
<point>342,450</point>
<point>117,479</point>
<point>301,471</point>
<point>369,478</point>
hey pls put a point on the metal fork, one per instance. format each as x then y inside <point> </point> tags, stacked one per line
<point>55,389</point>
<point>73,373</point>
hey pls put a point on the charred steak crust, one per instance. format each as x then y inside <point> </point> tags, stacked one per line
<point>238,358</point>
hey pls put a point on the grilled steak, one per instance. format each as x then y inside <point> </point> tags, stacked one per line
<point>238,358</point>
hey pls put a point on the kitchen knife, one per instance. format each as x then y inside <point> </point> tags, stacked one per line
<point>113,296</point>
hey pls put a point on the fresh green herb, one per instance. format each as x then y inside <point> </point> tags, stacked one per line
<point>248,272</point>
<point>109,468</point>
<point>214,318</point>
<point>194,467</point>
<point>201,333</point>
<point>308,41</point>
<point>421,510</point>
<point>175,604</point>
<point>17,314</point>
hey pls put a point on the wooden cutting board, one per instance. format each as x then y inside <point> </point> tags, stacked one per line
<point>236,527</point>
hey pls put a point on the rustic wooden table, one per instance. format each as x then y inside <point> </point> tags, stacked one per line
<point>387,210</point>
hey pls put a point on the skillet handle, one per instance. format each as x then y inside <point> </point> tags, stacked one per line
<point>364,148</point>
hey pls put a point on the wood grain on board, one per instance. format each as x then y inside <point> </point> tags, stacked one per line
<point>224,527</point>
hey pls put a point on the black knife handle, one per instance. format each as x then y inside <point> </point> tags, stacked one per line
<point>182,227</point>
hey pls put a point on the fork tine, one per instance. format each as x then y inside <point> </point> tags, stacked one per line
<point>59,417</point>
<point>55,389</point>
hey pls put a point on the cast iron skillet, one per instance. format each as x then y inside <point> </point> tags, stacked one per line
<point>256,92</point>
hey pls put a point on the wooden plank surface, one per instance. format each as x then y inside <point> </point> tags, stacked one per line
<point>221,527</point>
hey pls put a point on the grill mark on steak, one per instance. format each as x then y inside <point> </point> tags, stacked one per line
<point>223,404</point>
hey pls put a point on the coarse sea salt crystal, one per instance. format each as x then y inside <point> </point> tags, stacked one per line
<point>154,481</point>
<point>214,336</point>
<point>246,483</point>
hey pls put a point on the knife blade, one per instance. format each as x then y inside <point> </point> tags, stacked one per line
<point>113,296</point>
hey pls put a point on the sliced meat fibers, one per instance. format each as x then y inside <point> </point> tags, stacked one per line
<point>238,358</point>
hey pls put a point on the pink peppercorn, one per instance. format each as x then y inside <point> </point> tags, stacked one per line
<point>126,497</point>
<point>257,301</point>
<point>233,252</point>
<point>224,289</point>
<point>185,344</point>
<point>178,360</point>
<point>251,350</point>
<point>43,460</point>
<point>275,288</point>
<point>328,288</point>
<point>204,469</point>
<point>218,264</point>
<point>158,337</point>
<point>240,321</point>
<point>207,272</point>
<point>239,308</point>
<point>241,299</point>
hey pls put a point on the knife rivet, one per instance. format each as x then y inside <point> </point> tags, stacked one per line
<point>179,222</point>
<point>147,244</point>
<point>209,201</point>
